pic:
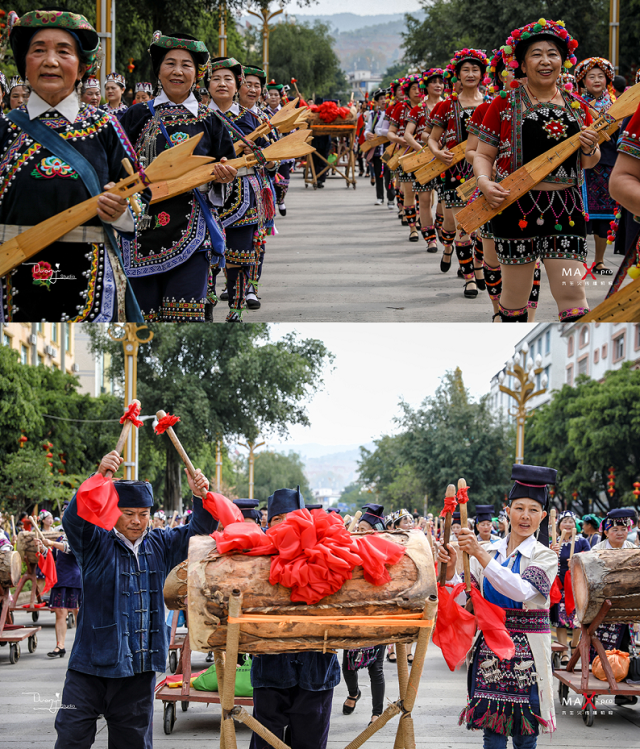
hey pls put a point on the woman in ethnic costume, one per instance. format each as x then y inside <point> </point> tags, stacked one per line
<point>513,697</point>
<point>449,122</point>
<point>249,203</point>
<point>399,121</point>
<point>113,90</point>
<point>283,175</point>
<point>17,92</point>
<point>90,92</point>
<point>596,75</point>
<point>432,82</point>
<point>396,105</point>
<point>549,221</point>
<point>560,618</point>
<point>177,239</point>
<point>79,277</point>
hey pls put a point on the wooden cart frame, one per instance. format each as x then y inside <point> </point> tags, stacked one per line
<point>347,134</point>
<point>35,596</point>
<point>13,634</point>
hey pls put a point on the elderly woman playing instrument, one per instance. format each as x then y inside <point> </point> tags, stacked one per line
<point>79,277</point>
<point>514,697</point>
<point>547,222</point>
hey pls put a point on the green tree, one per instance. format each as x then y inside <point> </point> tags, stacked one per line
<point>224,382</point>
<point>273,471</point>
<point>389,473</point>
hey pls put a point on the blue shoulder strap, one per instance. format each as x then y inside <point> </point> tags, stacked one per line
<point>58,146</point>
<point>217,237</point>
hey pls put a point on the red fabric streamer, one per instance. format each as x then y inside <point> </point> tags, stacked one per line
<point>166,422</point>
<point>97,500</point>
<point>450,505</point>
<point>491,620</point>
<point>313,553</point>
<point>48,566</point>
<point>222,509</point>
<point>569,602</point>
<point>555,594</point>
<point>455,627</point>
<point>463,495</point>
<point>131,414</point>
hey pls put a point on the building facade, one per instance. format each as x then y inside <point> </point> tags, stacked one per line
<point>45,343</point>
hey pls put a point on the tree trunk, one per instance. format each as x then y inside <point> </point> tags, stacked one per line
<point>173,478</point>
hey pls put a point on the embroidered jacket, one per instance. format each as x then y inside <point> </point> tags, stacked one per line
<point>399,115</point>
<point>630,140</point>
<point>452,117</point>
<point>473,125</point>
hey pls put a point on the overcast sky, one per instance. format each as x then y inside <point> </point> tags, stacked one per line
<point>359,7</point>
<point>376,365</point>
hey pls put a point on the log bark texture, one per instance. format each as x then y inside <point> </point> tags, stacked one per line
<point>212,577</point>
<point>10,567</point>
<point>27,546</point>
<point>612,574</point>
<point>175,587</point>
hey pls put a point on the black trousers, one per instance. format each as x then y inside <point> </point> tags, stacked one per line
<point>126,703</point>
<point>322,144</point>
<point>383,179</point>
<point>304,714</point>
<point>376,674</point>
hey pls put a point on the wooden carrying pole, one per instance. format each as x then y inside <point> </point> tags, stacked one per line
<point>464,522</point>
<point>354,523</point>
<point>181,451</point>
<point>451,492</point>
<point>553,531</point>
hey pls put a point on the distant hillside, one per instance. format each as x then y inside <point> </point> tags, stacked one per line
<point>345,22</point>
<point>332,467</point>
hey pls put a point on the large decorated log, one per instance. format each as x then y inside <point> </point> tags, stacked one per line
<point>10,567</point>
<point>175,587</point>
<point>27,546</point>
<point>213,576</point>
<point>597,576</point>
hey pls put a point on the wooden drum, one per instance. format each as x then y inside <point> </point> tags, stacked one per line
<point>10,567</point>
<point>212,577</point>
<point>612,574</point>
<point>27,546</point>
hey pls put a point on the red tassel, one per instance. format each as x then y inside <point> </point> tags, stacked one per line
<point>267,200</point>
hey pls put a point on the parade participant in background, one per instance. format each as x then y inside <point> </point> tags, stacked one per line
<point>399,119</point>
<point>514,697</point>
<point>590,525</point>
<point>432,83</point>
<point>91,92</point>
<point>18,93</point>
<point>283,175</point>
<point>396,102</point>
<point>372,518</point>
<point>596,75</point>
<point>113,90</point>
<point>403,520</point>
<point>456,526</point>
<point>66,594</point>
<point>449,122</point>
<point>374,120</point>
<point>179,239</point>
<point>144,92</point>
<point>549,221</point>
<point>322,144</point>
<point>159,519</point>
<point>68,280</point>
<point>248,509</point>
<point>293,692</point>
<point>249,203</point>
<point>45,518</point>
<point>560,618</point>
<point>484,526</point>
<point>503,524</point>
<point>121,640</point>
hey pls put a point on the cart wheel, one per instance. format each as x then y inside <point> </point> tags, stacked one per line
<point>169,716</point>
<point>71,620</point>
<point>563,691</point>
<point>35,615</point>
<point>173,661</point>
<point>555,662</point>
<point>33,643</point>
<point>14,652</point>
<point>587,714</point>
<point>185,706</point>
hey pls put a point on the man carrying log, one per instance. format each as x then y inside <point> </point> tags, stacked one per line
<point>293,691</point>
<point>121,639</point>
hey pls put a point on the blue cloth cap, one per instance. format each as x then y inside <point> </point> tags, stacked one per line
<point>313,507</point>
<point>484,512</point>
<point>248,508</point>
<point>374,515</point>
<point>134,493</point>
<point>283,501</point>
<point>531,482</point>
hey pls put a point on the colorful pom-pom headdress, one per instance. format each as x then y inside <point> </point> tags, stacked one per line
<point>429,74</point>
<point>542,27</point>
<point>461,56</point>
<point>568,82</point>
<point>409,80</point>
<point>583,67</point>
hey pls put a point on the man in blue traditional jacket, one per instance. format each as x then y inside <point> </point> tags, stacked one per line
<point>293,692</point>
<point>121,639</point>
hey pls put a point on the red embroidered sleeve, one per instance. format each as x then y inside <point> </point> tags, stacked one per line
<point>490,130</point>
<point>630,140</point>
<point>473,126</point>
<point>414,114</point>
<point>440,114</point>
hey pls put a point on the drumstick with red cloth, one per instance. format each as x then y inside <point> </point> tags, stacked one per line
<point>165,425</point>
<point>463,498</point>
<point>449,507</point>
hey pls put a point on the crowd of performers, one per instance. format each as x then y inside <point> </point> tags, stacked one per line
<point>181,256</point>
<point>116,578</point>
<point>509,109</point>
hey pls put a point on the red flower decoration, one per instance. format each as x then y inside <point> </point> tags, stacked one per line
<point>131,414</point>
<point>523,224</point>
<point>163,218</point>
<point>42,271</point>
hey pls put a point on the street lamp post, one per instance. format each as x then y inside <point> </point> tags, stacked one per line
<point>265,16</point>
<point>524,371</point>
<point>128,334</point>
<point>222,36</point>
<point>252,447</point>
<point>219,466</point>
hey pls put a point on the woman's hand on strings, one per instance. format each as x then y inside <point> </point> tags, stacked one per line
<point>224,173</point>
<point>493,192</point>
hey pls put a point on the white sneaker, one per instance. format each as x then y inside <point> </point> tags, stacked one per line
<point>380,201</point>
<point>390,205</point>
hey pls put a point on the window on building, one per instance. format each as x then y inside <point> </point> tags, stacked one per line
<point>54,332</point>
<point>618,348</point>
<point>570,346</point>
<point>570,374</point>
<point>40,328</point>
<point>584,336</point>
<point>596,356</point>
<point>67,336</point>
<point>41,359</point>
<point>24,354</point>
<point>636,343</point>
<point>583,365</point>
<point>539,347</point>
<point>6,340</point>
<point>547,342</point>
<point>547,371</point>
<point>604,351</point>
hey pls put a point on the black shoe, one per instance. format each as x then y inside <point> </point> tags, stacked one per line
<point>208,311</point>
<point>224,295</point>
<point>252,300</point>
<point>348,710</point>
<point>602,270</point>
<point>444,267</point>
<point>57,652</point>
<point>470,293</point>
<point>234,317</point>
<point>320,184</point>
<point>623,700</point>
<point>282,209</point>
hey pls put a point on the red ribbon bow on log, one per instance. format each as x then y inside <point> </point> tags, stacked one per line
<point>463,495</point>
<point>131,414</point>
<point>450,505</point>
<point>166,422</point>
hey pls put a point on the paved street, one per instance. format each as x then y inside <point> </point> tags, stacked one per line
<point>25,723</point>
<point>338,257</point>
